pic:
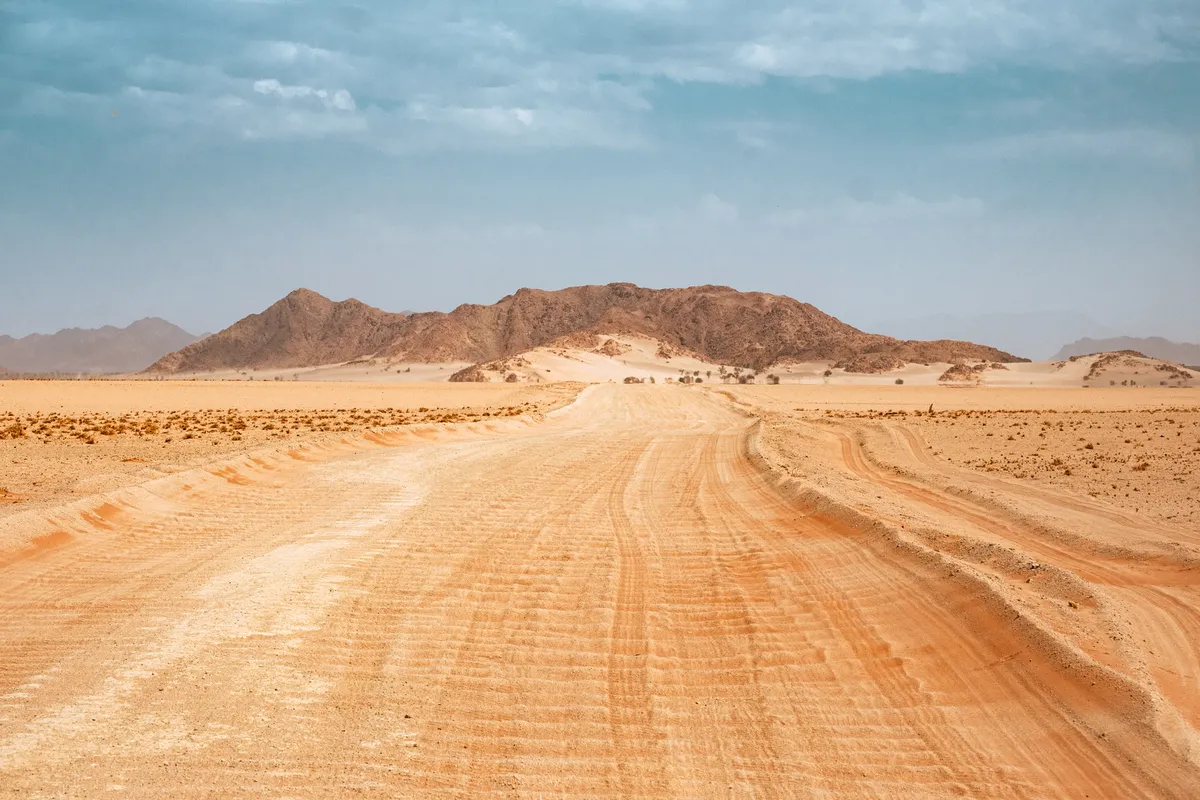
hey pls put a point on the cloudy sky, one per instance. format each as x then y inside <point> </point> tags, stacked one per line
<point>882,159</point>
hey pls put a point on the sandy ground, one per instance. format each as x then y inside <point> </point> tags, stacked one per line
<point>1137,450</point>
<point>630,357</point>
<point>622,356</point>
<point>368,370</point>
<point>655,591</point>
<point>128,396</point>
<point>66,439</point>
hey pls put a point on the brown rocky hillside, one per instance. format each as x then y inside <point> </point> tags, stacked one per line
<point>303,329</point>
<point>747,329</point>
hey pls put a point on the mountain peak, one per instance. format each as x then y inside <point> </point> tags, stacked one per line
<point>749,329</point>
<point>306,294</point>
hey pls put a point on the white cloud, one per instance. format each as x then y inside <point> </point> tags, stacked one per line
<point>907,207</point>
<point>292,52</point>
<point>714,209</point>
<point>1131,143</point>
<point>560,69</point>
<point>338,100</point>
<point>517,126</point>
<point>896,207</point>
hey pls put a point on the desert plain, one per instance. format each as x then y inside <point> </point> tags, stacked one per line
<point>572,589</point>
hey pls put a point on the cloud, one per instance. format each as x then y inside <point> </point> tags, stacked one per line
<point>896,207</point>
<point>291,52</point>
<point>714,209</point>
<point>339,99</point>
<point>544,73</point>
<point>1164,147</point>
<point>460,127</point>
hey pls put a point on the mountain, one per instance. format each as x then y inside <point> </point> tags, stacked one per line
<point>107,349</point>
<point>303,329</point>
<point>748,329</point>
<point>1032,334</point>
<point>1154,346</point>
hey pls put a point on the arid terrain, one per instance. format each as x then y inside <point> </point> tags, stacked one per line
<point>62,440</point>
<point>546,590</point>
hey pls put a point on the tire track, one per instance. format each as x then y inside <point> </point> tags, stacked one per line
<point>1148,584</point>
<point>615,603</point>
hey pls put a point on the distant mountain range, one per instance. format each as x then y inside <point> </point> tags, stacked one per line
<point>1033,334</point>
<point>747,329</point>
<point>100,350</point>
<point>1154,346</point>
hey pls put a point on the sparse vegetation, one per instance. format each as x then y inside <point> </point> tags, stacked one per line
<point>1142,458</point>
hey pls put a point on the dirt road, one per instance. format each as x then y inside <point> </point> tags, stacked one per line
<point>616,602</point>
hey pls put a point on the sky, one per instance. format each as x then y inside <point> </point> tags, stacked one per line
<point>885,160</point>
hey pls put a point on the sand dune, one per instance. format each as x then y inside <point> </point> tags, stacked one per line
<point>717,595</point>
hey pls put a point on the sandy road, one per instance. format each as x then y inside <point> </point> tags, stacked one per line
<point>614,603</point>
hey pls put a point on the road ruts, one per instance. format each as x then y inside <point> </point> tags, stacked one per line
<point>613,603</point>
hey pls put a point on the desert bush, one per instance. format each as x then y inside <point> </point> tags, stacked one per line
<point>899,381</point>
<point>828,373</point>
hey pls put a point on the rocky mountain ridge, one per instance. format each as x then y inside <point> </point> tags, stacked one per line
<point>747,329</point>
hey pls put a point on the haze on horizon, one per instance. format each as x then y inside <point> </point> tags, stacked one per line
<point>887,161</point>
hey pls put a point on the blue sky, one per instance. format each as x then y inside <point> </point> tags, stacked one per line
<point>882,159</point>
